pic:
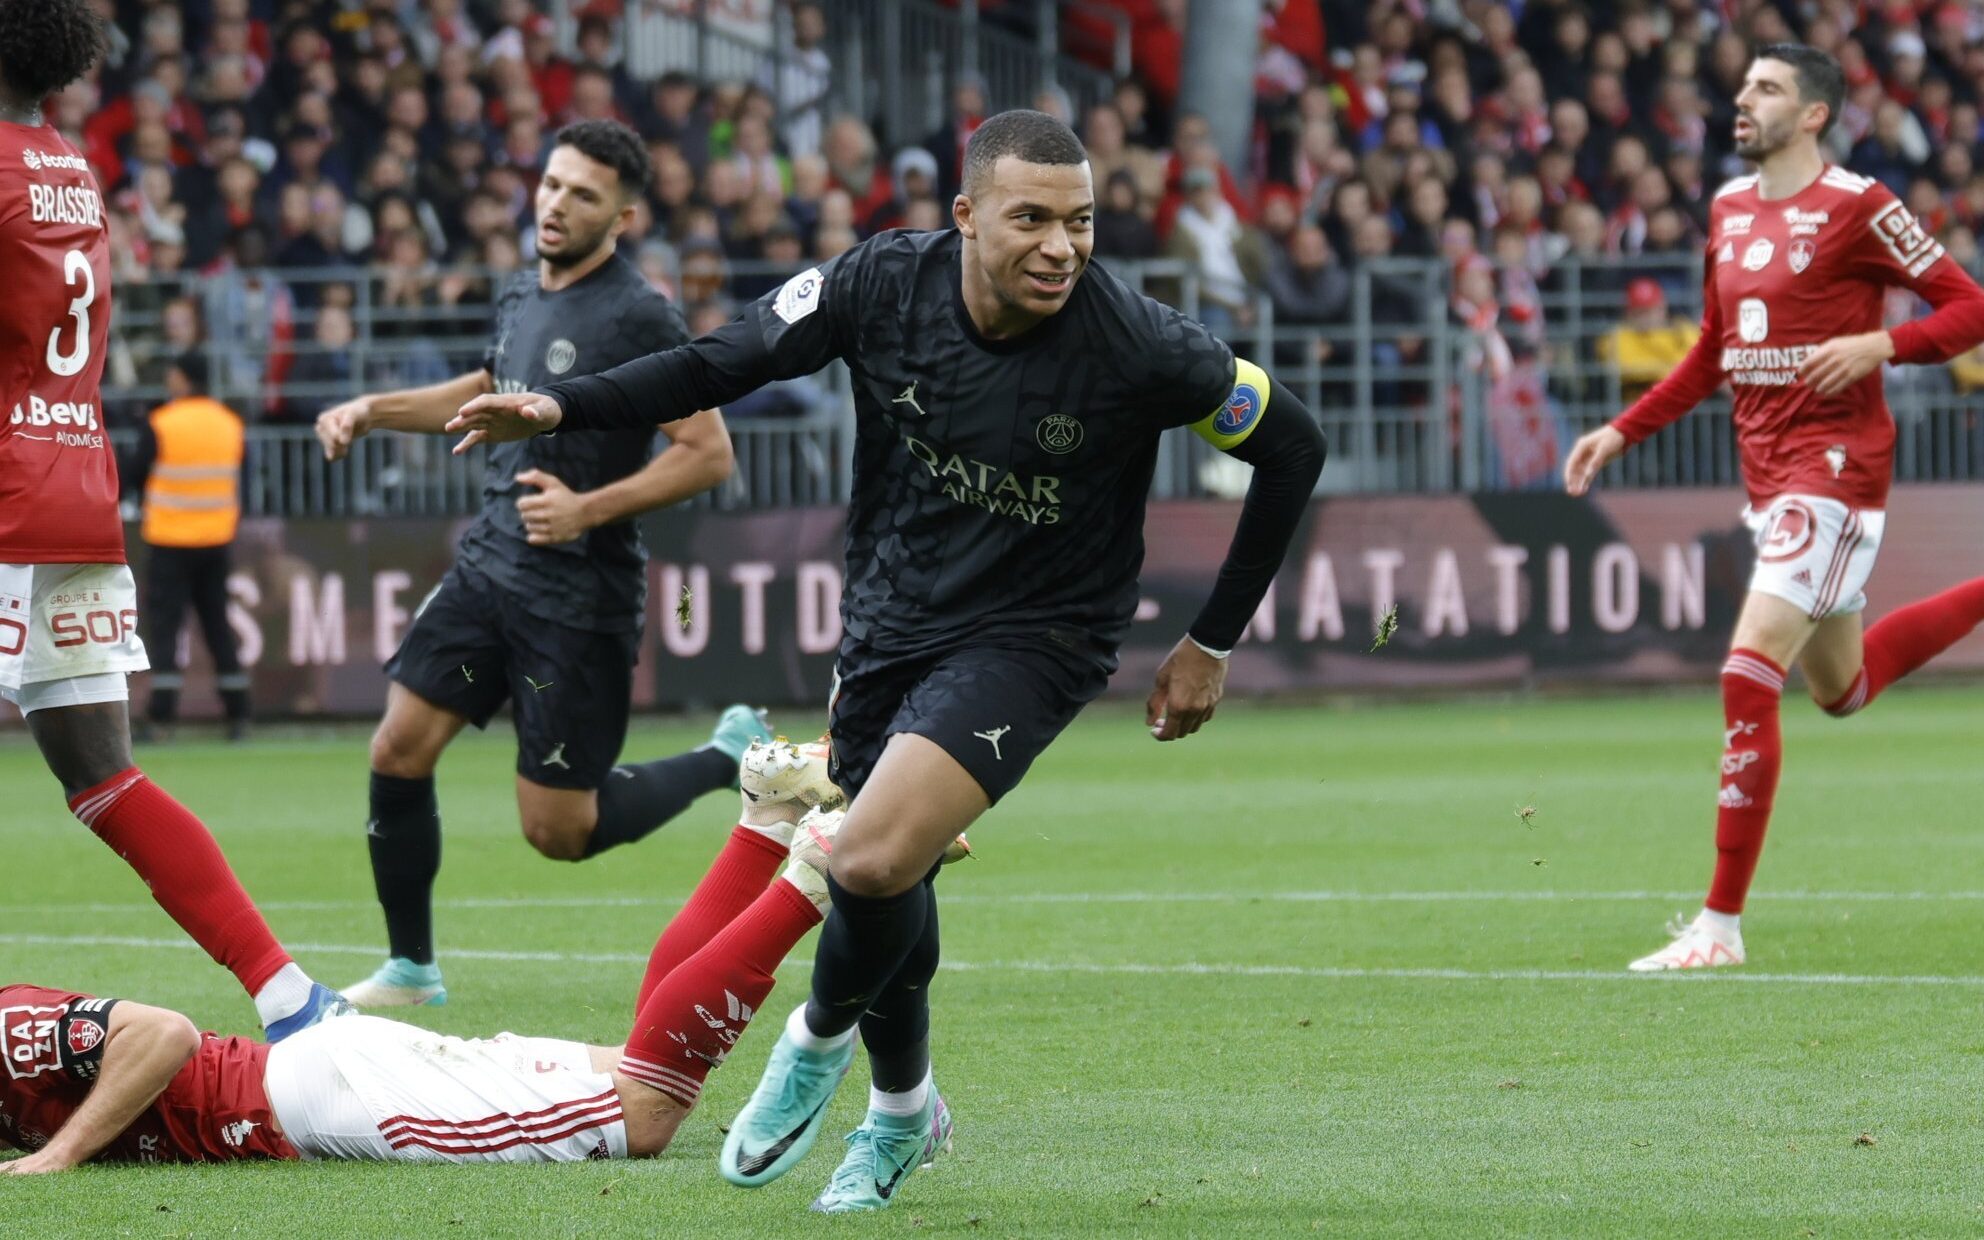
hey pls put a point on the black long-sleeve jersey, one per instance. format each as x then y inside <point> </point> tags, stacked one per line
<point>999,485</point>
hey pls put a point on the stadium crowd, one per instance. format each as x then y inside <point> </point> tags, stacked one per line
<point>1500,138</point>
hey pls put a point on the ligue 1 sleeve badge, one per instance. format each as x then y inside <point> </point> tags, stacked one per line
<point>1801,255</point>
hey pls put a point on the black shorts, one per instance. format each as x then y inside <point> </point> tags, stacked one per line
<point>472,647</point>
<point>994,708</point>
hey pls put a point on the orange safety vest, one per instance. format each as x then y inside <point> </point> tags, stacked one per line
<point>193,497</point>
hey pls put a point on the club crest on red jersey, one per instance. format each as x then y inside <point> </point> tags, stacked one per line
<point>1800,255</point>
<point>84,1035</point>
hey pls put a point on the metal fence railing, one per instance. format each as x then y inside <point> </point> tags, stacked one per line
<point>1413,400</point>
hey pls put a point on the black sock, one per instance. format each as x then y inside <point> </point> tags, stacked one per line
<point>896,1027</point>
<point>862,945</point>
<point>234,704</point>
<point>164,705</point>
<point>404,836</point>
<point>636,800</point>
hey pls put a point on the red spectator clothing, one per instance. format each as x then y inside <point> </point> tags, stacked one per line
<point>1174,197</point>
<point>58,479</point>
<point>1298,26</point>
<point>1157,48</point>
<point>553,80</point>
<point>881,188</point>
<point>1783,277</point>
<point>216,1109</point>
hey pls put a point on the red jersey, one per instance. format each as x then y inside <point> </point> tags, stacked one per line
<point>58,480</point>
<point>1784,276</point>
<point>216,1109</point>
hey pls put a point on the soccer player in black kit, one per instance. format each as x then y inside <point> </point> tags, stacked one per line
<point>543,607</point>
<point>1010,396</point>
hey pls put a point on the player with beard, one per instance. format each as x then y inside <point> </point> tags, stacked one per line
<point>543,607</point>
<point>1801,254</point>
<point>1010,396</point>
<point>68,602</point>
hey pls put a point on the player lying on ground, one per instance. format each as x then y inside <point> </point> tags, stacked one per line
<point>1800,257</point>
<point>544,605</point>
<point>68,602</point>
<point>116,1081</point>
<point>1010,397</point>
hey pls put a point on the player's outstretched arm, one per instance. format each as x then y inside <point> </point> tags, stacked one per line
<point>142,1050</point>
<point>1287,451</point>
<point>698,457</point>
<point>791,331</point>
<point>424,410</point>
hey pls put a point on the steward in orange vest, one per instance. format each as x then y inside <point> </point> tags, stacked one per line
<point>189,467</point>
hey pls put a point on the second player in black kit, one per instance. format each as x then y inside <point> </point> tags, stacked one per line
<point>543,606</point>
<point>476,643</point>
<point>993,544</point>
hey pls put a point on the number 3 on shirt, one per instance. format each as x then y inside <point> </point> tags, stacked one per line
<point>75,264</point>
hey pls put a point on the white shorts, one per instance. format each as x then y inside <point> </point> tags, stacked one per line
<point>67,622</point>
<point>1815,553</point>
<point>359,1087</point>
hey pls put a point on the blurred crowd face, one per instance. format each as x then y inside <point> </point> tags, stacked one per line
<point>1309,249</point>
<point>809,178</point>
<point>836,209</point>
<point>581,206</point>
<point>1103,134</point>
<point>1373,237</point>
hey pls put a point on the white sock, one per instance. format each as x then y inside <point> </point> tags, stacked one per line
<point>805,1039</point>
<point>909,1102</point>
<point>1724,926</point>
<point>283,995</point>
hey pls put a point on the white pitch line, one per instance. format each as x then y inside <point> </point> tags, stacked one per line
<point>967,898</point>
<point>1718,977</point>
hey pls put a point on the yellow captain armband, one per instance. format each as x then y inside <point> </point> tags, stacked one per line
<point>1228,426</point>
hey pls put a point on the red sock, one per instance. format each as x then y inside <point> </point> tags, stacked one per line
<point>737,877</point>
<point>1905,639</point>
<point>177,857</point>
<point>693,1018</point>
<point>1752,754</point>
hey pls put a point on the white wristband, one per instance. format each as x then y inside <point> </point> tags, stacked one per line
<point>1217,654</point>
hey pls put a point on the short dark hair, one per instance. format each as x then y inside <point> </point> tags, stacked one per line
<point>192,364</point>
<point>47,44</point>
<point>1033,137</point>
<point>616,146</point>
<point>1819,77</point>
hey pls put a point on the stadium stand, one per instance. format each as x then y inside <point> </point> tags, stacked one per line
<point>1443,208</point>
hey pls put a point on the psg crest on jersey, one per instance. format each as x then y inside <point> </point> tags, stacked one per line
<point>1059,434</point>
<point>1801,255</point>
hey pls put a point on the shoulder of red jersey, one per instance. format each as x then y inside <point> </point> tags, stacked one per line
<point>1736,185</point>
<point>1851,184</point>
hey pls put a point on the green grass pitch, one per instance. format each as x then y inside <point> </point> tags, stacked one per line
<point>1310,970</point>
